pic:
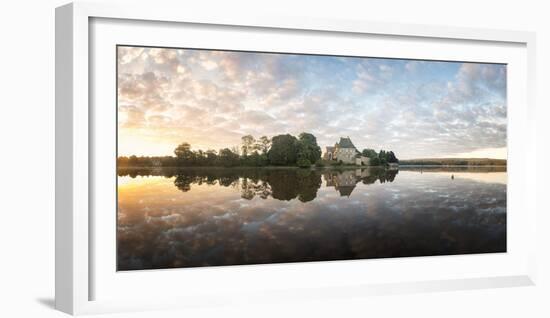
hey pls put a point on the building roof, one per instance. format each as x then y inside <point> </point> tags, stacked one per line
<point>345,191</point>
<point>345,143</point>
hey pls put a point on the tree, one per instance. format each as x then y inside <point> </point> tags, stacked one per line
<point>235,150</point>
<point>184,154</point>
<point>133,161</point>
<point>283,150</point>
<point>122,161</point>
<point>392,158</point>
<point>383,156</point>
<point>211,157</point>
<point>303,163</point>
<point>263,144</point>
<point>307,148</point>
<point>248,144</point>
<point>374,161</point>
<point>370,153</point>
<point>228,158</point>
<point>200,158</point>
<point>256,160</point>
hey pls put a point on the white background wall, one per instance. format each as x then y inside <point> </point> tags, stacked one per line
<point>27,158</point>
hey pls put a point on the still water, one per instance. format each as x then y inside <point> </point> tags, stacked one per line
<point>208,217</point>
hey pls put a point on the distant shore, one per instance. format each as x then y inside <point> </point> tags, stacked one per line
<point>450,166</point>
<point>453,162</point>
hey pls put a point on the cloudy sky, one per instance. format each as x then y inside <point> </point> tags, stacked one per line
<point>418,109</point>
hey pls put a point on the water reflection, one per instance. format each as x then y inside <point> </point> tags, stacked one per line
<point>199,217</point>
<point>281,184</point>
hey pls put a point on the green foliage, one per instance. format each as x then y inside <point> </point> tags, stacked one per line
<point>255,160</point>
<point>382,158</point>
<point>283,150</point>
<point>210,157</point>
<point>307,148</point>
<point>391,158</point>
<point>387,157</point>
<point>370,153</point>
<point>374,161</point>
<point>263,144</point>
<point>248,145</point>
<point>183,152</point>
<point>303,163</point>
<point>228,158</point>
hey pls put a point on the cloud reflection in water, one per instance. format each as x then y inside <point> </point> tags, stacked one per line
<point>193,218</point>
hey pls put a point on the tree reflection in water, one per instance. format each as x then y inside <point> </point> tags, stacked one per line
<point>280,184</point>
<point>173,218</point>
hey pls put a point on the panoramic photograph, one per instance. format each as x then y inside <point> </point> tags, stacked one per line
<point>241,158</point>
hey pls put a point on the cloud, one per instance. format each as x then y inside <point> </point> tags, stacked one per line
<point>128,54</point>
<point>413,65</point>
<point>371,75</point>
<point>212,98</point>
<point>366,80</point>
<point>222,226</point>
<point>133,117</point>
<point>474,81</point>
<point>209,65</point>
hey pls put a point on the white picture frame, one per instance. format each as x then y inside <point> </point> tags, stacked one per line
<point>77,169</point>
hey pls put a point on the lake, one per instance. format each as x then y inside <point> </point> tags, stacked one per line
<point>171,218</point>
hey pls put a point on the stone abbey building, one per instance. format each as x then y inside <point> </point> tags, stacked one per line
<point>345,151</point>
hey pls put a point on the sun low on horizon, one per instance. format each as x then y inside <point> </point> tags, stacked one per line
<point>212,98</point>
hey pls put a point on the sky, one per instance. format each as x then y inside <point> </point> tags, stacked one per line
<point>210,99</point>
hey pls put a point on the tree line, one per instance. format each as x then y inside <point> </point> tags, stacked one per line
<point>281,150</point>
<point>382,158</point>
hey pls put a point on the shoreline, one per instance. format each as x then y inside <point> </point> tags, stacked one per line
<point>250,167</point>
<point>313,167</point>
